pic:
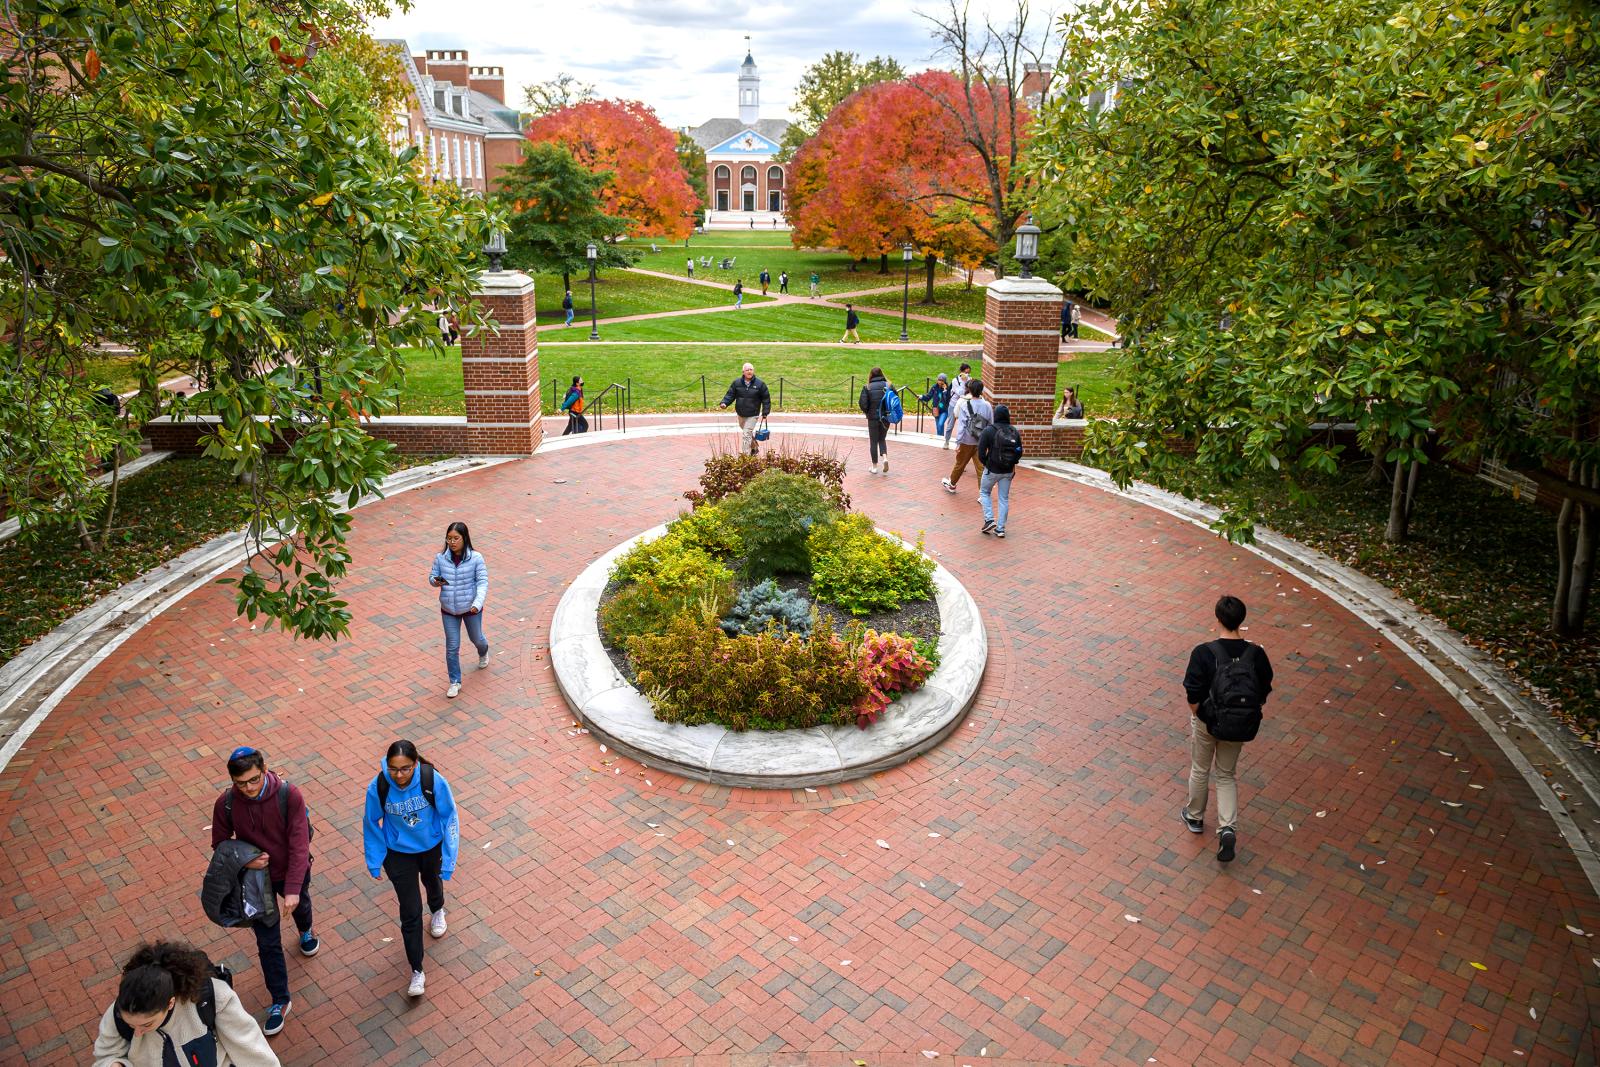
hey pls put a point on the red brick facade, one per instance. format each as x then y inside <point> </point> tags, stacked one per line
<point>500,370</point>
<point>1021,350</point>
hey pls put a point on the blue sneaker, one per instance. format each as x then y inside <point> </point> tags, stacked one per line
<point>309,944</point>
<point>275,1016</point>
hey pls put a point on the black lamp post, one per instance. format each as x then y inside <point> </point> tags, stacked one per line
<point>594,323</point>
<point>495,249</point>
<point>1028,246</point>
<point>906,252</point>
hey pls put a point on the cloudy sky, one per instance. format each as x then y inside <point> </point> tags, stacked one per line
<point>679,56</point>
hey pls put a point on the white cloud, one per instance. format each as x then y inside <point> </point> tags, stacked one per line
<point>679,56</point>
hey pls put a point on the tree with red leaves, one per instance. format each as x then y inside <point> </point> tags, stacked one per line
<point>647,185</point>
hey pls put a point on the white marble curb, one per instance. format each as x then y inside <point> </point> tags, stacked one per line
<point>619,714</point>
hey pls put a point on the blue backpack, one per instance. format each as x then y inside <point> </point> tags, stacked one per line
<point>892,410</point>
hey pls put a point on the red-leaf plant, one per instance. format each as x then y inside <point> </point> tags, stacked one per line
<point>890,665</point>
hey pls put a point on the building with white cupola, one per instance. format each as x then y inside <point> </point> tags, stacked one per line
<point>745,187</point>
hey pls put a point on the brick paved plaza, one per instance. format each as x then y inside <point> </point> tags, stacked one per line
<point>1399,896</point>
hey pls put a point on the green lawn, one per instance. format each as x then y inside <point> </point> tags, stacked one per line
<point>751,254</point>
<point>620,292</point>
<point>787,322</point>
<point>1090,373</point>
<point>954,301</point>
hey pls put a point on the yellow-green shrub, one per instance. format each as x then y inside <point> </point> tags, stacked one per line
<point>861,571</point>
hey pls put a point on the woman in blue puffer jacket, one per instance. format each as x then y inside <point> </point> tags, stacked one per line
<point>462,579</point>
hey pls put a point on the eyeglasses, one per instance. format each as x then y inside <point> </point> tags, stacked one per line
<point>250,782</point>
<point>402,770</point>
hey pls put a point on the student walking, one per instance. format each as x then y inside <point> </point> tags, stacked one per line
<point>1226,683</point>
<point>851,321</point>
<point>938,400</point>
<point>958,399</point>
<point>738,293</point>
<point>691,264</point>
<point>766,280</point>
<point>872,406</point>
<point>412,833</point>
<point>573,406</point>
<point>261,809</point>
<point>999,452</point>
<point>566,305</point>
<point>752,403</point>
<point>972,419</point>
<point>1066,319</point>
<point>816,285</point>
<point>1077,319</point>
<point>444,330</point>
<point>783,282</point>
<point>462,579</point>
<point>173,1008</point>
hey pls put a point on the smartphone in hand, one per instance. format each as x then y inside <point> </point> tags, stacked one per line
<point>442,581</point>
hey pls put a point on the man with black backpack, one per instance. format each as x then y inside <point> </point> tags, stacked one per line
<point>263,810</point>
<point>1227,684</point>
<point>999,452</point>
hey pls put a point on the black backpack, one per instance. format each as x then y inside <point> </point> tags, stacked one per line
<point>283,809</point>
<point>206,1006</point>
<point>426,771</point>
<point>1234,706</point>
<point>1007,448</point>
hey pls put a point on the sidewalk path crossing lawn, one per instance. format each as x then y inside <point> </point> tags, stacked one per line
<point>1026,893</point>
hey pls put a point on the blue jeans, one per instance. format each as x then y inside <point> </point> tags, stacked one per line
<point>269,943</point>
<point>569,316</point>
<point>452,641</point>
<point>989,481</point>
<point>938,422</point>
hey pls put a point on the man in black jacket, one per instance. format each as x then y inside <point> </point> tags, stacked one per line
<point>1205,751</point>
<point>751,402</point>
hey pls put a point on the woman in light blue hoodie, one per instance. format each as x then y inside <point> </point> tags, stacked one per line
<point>412,834</point>
<point>462,579</point>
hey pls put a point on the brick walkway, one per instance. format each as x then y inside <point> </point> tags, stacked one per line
<point>600,914</point>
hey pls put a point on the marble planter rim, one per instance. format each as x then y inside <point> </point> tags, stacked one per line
<point>621,717</point>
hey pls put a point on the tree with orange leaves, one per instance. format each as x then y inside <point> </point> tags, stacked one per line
<point>625,138</point>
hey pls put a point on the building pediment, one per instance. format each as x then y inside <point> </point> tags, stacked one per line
<point>746,142</point>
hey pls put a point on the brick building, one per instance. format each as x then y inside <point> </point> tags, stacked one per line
<point>458,118</point>
<point>744,183</point>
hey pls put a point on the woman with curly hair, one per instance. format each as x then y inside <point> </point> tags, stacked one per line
<point>170,1009</point>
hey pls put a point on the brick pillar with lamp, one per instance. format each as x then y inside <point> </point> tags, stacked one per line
<point>500,365</point>
<point>1022,347</point>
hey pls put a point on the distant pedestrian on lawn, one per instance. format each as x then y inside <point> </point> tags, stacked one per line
<point>752,222</point>
<point>691,262</point>
<point>573,406</point>
<point>816,285</point>
<point>1227,683</point>
<point>938,401</point>
<point>1077,318</point>
<point>972,419</point>
<point>766,280</point>
<point>999,452</point>
<point>263,810</point>
<point>958,399</point>
<point>444,330</point>
<point>462,579</point>
<point>851,321</point>
<point>738,293</point>
<point>412,833</point>
<point>566,305</point>
<point>455,328</point>
<point>871,404</point>
<point>171,1009</point>
<point>751,402</point>
<point>783,281</point>
<point>1071,407</point>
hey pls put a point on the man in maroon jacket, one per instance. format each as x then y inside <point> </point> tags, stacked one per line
<point>263,810</point>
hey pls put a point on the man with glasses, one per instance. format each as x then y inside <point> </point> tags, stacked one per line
<point>263,810</point>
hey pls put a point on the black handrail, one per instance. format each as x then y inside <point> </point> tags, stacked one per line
<point>598,406</point>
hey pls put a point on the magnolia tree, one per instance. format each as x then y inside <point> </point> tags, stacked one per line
<point>625,139</point>
<point>213,183</point>
<point>1341,212</point>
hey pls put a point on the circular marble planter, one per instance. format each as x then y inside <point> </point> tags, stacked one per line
<point>620,715</point>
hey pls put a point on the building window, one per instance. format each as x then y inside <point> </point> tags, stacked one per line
<point>747,176</point>
<point>774,177</point>
<point>774,201</point>
<point>477,150</point>
<point>721,175</point>
<point>722,199</point>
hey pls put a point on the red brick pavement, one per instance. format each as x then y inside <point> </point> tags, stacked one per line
<point>579,932</point>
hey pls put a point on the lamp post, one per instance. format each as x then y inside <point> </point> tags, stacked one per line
<point>1028,245</point>
<point>495,249</point>
<point>906,252</point>
<point>594,323</point>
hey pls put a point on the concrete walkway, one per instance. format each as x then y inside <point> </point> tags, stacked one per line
<point>1399,896</point>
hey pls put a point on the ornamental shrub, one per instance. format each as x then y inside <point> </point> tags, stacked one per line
<point>693,673</point>
<point>707,531</point>
<point>764,605</point>
<point>861,571</point>
<point>774,516</point>
<point>687,580</point>
<point>889,665</point>
<point>728,474</point>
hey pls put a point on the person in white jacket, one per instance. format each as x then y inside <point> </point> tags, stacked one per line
<point>156,1019</point>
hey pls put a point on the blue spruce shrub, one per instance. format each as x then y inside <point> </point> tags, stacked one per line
<point>766,603</point>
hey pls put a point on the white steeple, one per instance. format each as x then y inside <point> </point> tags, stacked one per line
<point>749,89</point>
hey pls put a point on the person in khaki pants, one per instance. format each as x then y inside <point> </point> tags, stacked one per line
<point>966,433</point>
<point>1206,753</point>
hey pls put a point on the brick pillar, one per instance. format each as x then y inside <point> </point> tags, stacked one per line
<point>500,370</point>
<point>1021,349</point>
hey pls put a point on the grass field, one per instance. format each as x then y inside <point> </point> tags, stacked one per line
<point>787,322</point>
<point>620,292</point>
<point>752,251</point>
<point>954,301</point>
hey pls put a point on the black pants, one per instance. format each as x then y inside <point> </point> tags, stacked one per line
<point>575,423</point>
<point>269,943</point>
<point>411,872</point>
<point>877,438</point>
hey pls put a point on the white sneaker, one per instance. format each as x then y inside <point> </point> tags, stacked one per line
<point>947,486</point>
<point>454,690</point>
<point>417,983</point>
<point>483,662</point>
<point>438,926</point>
